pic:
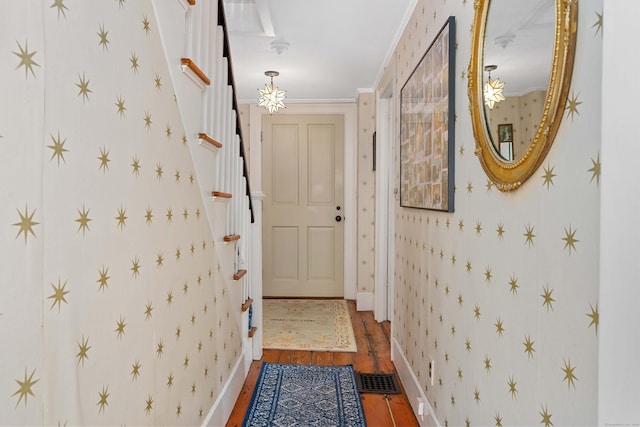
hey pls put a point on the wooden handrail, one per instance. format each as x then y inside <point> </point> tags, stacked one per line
<point>252,332</point>
<point>210,140</point>
<point>196,70</point>
<point>239,274</point>
<point>231,238</point>
<point>192,2</point>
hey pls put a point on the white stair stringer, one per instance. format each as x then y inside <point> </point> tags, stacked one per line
<point>193,31</point>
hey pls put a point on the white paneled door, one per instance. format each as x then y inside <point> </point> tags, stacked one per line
<point>303,215</point>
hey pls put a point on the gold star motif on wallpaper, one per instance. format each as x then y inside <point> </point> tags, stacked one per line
<point>104,399</point>
<point>104,38</point>
<point>148,216</point>
<point>460,374</point>
<point>83,220</point>
<point>595,170</point>
<point>104,278</point>
<point>513,285</point>
<point>546,416</point>
<point>598,24</point>
<point>159,260</point>
<point>487,275</point>
<point>529,235</point>
<point>184,137</point>
<point>83,87</point>
<point>460,299</point>
<point>476,312</point>
<point>547,299</point>
<point>528,346</point>
<point>26,223</point>
<point>178,409</point>
<point>177,176</point>
<point>135,165</point>
<point>186,361</point>
<point>169,297</point>
<point>569,376</point>
<point>169,381</point>
<point>169,215</point>
<point>572,107</point>
<point>185,214</point>
<point>135,267</point>
<point>178,332</point>
<point>467,345</point>
<point>159,171</point>
<point>178,253</point>
<point>104,159</point>
<point>193,388</point>
<point>83,349</point>
<point>120,106</point>
<point>467,266</point>
<point>122,217</point>
<point>147,120</point>
<point>499,327</point>
<point>58,148</point>
<point>149,404</point>
<point>58,295</point>
<point>469,187</point>
<point>548,176</point>
<point>145,25</point>
<point>59,4</point>
<point>594,316</point>
<point>489,185</point>
<point>478,228</point>
<point>191,178</point>
<point>198,213</point>
<point>134,62</point>
<point>120,325</point>
<point>500,230</point>
<point>26,59</point>
<point>157,82</point>
<point>25,387</point>
<point>148,308</point>
<point>512,387</point>
<point>135,370</point>
<point>476,395</point>
<point>453,400</point>
<point>453,259</point>
<point>569,239</point>
<point>460,225</point>
<point>193,319</point>
<point>498,419</point>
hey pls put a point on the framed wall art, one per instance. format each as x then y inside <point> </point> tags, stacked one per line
<point>427,131</point>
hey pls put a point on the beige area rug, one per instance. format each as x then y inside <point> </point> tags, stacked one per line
<point>314,325</point>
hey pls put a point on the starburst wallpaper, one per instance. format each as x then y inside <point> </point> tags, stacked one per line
<point>503,294</point>
<point>113,308</point>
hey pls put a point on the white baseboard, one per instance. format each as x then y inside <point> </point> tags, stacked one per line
<point>222,407</point>
<point>364,301</point>
<point>412,387</point>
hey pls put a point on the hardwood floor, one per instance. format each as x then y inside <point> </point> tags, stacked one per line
<point>373,356</point>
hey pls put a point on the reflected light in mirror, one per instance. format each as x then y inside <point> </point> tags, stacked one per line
<point>492,88</point>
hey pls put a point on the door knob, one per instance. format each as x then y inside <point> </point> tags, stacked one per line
<point>338,218</point>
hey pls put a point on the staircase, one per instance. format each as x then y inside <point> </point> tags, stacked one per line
<point>196,45</point>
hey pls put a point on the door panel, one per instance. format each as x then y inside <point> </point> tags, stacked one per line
<point>303,159</point>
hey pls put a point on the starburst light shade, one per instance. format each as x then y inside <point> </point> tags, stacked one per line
<point>492,89</point>
<point>271,97</point>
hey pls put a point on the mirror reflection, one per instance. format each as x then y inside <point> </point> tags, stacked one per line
<point>517,60</point>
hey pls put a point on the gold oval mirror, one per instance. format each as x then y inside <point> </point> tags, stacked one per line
<point>522,54</point>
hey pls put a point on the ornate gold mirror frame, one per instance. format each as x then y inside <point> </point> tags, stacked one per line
<point>509,175</point>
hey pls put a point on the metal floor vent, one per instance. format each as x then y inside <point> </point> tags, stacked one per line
<point>377,383</point>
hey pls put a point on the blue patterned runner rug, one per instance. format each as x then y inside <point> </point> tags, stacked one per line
<point>305,395</point>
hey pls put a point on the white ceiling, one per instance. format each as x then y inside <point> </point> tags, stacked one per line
<point>335,47</point>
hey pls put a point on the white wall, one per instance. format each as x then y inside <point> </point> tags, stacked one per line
<point>619,346</point>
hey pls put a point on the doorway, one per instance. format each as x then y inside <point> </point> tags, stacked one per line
<point>303,207</point>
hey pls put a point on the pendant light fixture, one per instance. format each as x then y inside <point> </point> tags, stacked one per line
<point>271,97</point>
<point>492,88</point>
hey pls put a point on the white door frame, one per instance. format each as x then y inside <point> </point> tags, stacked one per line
<point>349,110</point>
<point>385,202</point>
